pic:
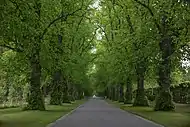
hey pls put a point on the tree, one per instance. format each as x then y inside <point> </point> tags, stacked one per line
<point>28,28</point>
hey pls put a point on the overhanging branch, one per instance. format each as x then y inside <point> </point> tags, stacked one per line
<point>64,17</point>
<point>77,29</point>
<point>151,13</point>
<point>89,43</point>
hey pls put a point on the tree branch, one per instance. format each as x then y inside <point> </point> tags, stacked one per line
<point>128,18</point>
<point>151,13</point>
<point>89,42</point>
<point>64,17</point>
<point>104,33</point>
<point>11,48</point>
<point>77,29</point>
<point>93,59</point>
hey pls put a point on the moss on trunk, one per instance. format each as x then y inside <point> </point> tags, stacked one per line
<point>56,94</point>
<point>35,98</point>
<point>65,93</point>
<point>65,96</point>
<point>164,101</point>
<point>56,97</point>
<point>75,93</point>
<point>128,98</point>
<point>140,99</point>
<point>7,91</point>
<point>71,94</point>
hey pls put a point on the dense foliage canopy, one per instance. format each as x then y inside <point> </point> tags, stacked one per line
<point>67,49</point>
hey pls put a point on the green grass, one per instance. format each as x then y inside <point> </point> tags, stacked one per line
<point>15,117</point>
<point>179,118</point>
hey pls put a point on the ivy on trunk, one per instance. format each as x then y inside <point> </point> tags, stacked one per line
<point>140,99</point>
<point>35,98</point>
<point>164,101</point>
<point>56,93</point>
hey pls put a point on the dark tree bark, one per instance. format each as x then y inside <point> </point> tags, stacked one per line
<point>107,93</point>
<point>71,93</point>
<point>80,94</point>
<point>6,89</point>
<point>56,93</point>
<point>35,98</point>
<point>116,96</point>
<point>65,97</point>
<point>140,99</point>
<point>164,101</point>
<point>110,93</point>
<point>113,93</point>
<point>128,93</point>
<point>57,84</point>
<point>75,93</point>
<point>121,93</point>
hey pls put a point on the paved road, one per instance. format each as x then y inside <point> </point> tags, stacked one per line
<point>98,113</point>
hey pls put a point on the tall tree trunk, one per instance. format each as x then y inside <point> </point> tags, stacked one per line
<point>75,93</point>
<point>80,94</point>
<point>113,93</point>
<point>110,93</point>
<point>35,98</point>
<point>116,93</point>
<point>107,93</point>
<point>140,99</point>
<point>128,93</point>
<point>121,95</point>
<point>164,101</point>
<point>65,97</point>
<point>71,91</point>
<point>6,89</point>
<point>56,94</point>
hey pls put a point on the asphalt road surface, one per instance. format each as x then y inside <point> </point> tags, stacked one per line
<point>98,113</point>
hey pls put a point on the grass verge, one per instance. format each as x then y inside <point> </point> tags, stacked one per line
<point>15,117</point>
<point>179,118</point>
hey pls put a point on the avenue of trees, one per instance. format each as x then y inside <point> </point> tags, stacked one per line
<point>61,49</point>
<point>144,45</point>
<point>45,50</point>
